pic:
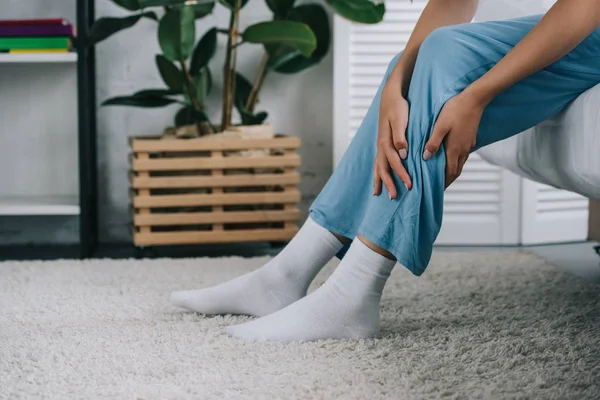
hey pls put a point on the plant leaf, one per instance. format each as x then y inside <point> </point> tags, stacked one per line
<point>150,15</point>
<point>176,33</point>
<point>204,51</point>
<point>315,16</point>
<point>203,85</point>
<point>162,3</point>
<point>107,26</point>
<point>170,74</point>
<point>232,3</point>
<point>203,9</point>
<point>188,115</point>
<point>154,93</point>
<point>253,119</point>
<point>290,33</point>
<point>131,5</point>
<point>364,11</point>
<point>138,101</point>
<point>242,92</point>
<point>185,116</point>
<point>280,7</point>
<point>209,79</point>
<point>167,3</point>
<point>280,54</point>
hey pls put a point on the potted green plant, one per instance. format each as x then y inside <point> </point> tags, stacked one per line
<point>197,175</point>
<point>295,38</point>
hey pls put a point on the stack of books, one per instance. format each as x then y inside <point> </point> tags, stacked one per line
<point>36,36</point>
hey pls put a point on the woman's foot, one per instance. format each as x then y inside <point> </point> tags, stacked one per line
<point>345,307</point>
<point>277,284</point>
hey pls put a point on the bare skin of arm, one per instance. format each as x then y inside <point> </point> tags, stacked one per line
<point>393,113</point>
<point>563,27</point>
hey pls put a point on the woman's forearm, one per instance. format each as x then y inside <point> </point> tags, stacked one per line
<point>436,14</point>
<point>565,25</point>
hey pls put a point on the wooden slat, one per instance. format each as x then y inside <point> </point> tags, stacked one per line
<point>190,200</point>
<point>217,190</point>
<point>207,144</point>
<point>223,217</point>
<point>287,189</point>
<point>242,180</point>
<point>231,236</point>
<point>144,192</point>
<point>196,163</point>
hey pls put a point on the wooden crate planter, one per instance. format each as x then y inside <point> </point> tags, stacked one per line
<point>203,190</point>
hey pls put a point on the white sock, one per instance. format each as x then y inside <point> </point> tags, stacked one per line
<point>345,307</point>
<point>280,282</point>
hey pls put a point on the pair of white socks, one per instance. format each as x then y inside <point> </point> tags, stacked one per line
<point>345,307</point>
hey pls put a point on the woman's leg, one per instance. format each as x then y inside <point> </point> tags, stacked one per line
<point>275,285</point>
<point>342,204</point>
<point>347,305</point>
<point>286,278</point>
<point>449,60</point>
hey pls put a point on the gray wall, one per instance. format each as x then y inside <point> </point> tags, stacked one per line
<point>299,104</point>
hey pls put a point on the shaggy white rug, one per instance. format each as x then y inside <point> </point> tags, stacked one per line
<point>475,325</point>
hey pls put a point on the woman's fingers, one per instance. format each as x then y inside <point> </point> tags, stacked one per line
<point>440,130</point>
<point>451,166</point>
<point>386,177</point>
<point>399,137</point>
<point>455,161</point>
<point>393,159</point>
<point>381,174</point>
<point>376,181</point>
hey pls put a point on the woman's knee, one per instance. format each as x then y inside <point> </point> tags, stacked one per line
<point>444,58</point>
<point>442,45</point>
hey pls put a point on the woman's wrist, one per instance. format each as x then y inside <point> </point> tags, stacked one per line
<point>400,78</point>
<point>481,92</point>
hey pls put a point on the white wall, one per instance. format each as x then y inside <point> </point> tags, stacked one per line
<point>297,104</point>
<point>503,9</point>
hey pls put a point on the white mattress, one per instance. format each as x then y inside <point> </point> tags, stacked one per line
<point>563,152</point>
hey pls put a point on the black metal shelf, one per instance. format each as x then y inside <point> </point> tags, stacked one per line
<point>87,158</point>
<point>87,138</point>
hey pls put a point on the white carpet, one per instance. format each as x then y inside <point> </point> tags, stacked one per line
<point>475,325</point>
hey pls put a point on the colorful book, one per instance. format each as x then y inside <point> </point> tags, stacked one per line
<point>35,43</point>
<point>44,21</point>
<point>36,30</point>
<point>38,51</point>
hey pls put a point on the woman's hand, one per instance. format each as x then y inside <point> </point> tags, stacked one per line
<point>391,140</point>
<point>457,127</point>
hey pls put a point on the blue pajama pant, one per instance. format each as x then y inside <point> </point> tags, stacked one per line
<point>449,59</point>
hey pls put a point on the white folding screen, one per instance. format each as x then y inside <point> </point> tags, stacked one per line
<point>552,215</point>
<point>482,206</point>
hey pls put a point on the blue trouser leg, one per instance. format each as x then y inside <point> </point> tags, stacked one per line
<point>448,61</point>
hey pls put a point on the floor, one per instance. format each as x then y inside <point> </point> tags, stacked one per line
<point>576,258</point>
<point>485,324</point>
<point>579,259</point>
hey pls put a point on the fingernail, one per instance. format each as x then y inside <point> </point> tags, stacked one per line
<point>403,153</point>
<point>406,186</point>
<point>390,197</point>
<point>427,155</point>
<point>374,194</point>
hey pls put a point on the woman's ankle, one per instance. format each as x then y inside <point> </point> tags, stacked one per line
<point>375,248</point>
